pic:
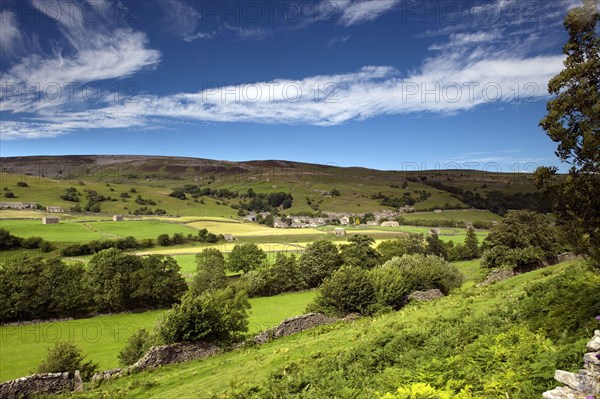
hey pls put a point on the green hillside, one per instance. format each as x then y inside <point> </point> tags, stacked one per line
<point>492,339</point>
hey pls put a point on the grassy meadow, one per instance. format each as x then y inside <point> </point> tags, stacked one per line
<point>101,338</point>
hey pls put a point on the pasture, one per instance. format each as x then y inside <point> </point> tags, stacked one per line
<point>61,232</point>
<point>141,229</point>
<point>249,229</point>
<point>102,337</point>
<point>467,215</point>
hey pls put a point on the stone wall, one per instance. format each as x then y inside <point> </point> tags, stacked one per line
<point>25,387</point>
<point>586,383</point>
<point>294,325</point>
<point>426,296</point>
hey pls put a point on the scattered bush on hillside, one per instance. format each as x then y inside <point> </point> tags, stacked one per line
<point>213,316</point>
<point>96,246</point>
<point>9,194</point>
<point>71,195</point>
<point>521,239</point>
<point>348,290</point>
<point>22,184</point>
<point>137,345</point>
<point>66,356</point>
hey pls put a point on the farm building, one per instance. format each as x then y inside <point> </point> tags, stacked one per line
<point>345,220</point>
<point>390,224</point>
<point>435,230</point>
<point>50,220</point>
<point>54,209</point>
<point>339,231</point>
<point>17,205</point>
<point>437,211</point>
<point>371,223</point>
<point>229,237</point>
<point>117,218</point>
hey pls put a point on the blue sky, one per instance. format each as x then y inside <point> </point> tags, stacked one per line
<point>387,84</point>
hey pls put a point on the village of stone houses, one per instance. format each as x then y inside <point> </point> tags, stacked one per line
<point>328,199</point>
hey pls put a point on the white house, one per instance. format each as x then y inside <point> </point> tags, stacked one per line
<point>390,223</point>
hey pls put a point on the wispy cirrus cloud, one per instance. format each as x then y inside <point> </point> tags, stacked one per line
<point>181,20</point>
<point>354,12</point>
<point>90,52</point>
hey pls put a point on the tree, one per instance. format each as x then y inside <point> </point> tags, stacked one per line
<point>35,287</point>
<point>348,290</point>
<point>391,248</point>
<point>163,240</point>
<point>471,245</point>
<point>137,345</point>
<point>360,253</point>
<point>319,261</point>
<point>210,271</point>
<point>67,357</point>
<point>435,246</point>
<point>521,239</point>
<point>245,257</point>
<point>213,316</point>
<point>158,283</point>
<point>573,121</point>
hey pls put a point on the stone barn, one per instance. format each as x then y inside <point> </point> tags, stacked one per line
<point>339,231</point>
<point>117,218</point>
<point>229,237</point>
<point>50,220</point>
<point>390,224</point>
<point>54,209</point>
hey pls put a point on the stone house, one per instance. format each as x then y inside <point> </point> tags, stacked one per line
<point>390,223</point>
<point>54,209</point>
<point>338,231</point>
<point>50,220</point>
<point>229,237</point>
<point>345,220</point>
<point>117,218</point>
<point>17,205</point>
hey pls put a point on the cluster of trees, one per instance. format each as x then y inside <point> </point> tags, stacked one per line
<point>9,241</point>
<point>144,201</point>
<point>442,223</point>
<point>144,210</point>
<point>522,239</point>
<point>355,289</point>
<point>195,191</point>
<point>178,238</point>
<point>262,202</point>
<point>114,281</point>
<point>394,202</point>
<point>71,195</point>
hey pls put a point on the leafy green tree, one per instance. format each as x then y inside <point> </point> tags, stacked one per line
<point>110,278</point>
<point>471,245</point>
<point>9,241</point>
<point>213,316</point>
<point>245,257</point>
<point>522,238</point>
<point>137,345</point>
<point>573,121</point>
<point>319,260</point>
<point>348,290</point>
<point>360,252</point>
<point>158,283</point>
<point>435,246</point>
<point>67,357</point>
<point>210,271</point>
<point>163,240</point>
<point>391,248</point>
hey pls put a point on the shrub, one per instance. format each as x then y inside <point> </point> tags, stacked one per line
<point>348,290</point>
<point>22,184</point>
<point>424,272</point>
<point>360,253</point>
<point>137,345</point>
<point>8,241</point>
<point>10,194</point>
<point>213,316</point>
<point>163,240</point>
<point>66,356</point>
<point>31,242</point>
<point>283,276</point>
<point>391,288</point>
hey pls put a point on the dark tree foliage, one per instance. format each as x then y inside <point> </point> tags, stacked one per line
<point>360,253</point>
<point>573,122</point>
<point>39,288</point>
<point>210,271</point>
<point>245,257</point>
<point>319,260</point>
<point>137,345</point>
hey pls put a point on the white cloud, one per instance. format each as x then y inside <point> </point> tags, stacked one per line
<point>10,39</point>
<point>251,32</point>
<point>338,40</point>
<point>181,19</point>
<point>94,52</point>
<point>360,11</point>
<point>440,88</point>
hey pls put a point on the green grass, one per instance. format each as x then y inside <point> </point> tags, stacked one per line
<point>22,348</point>
<point>141,229</point>
<point>61,232</point>
<point>469,215</point>
<point>214,376</point>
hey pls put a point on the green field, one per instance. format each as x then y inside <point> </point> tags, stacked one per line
<point>468,215</point>
<point>61,232</point>
<point>22,348</point>
<point>141,229</point>
<point>212,377</point>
